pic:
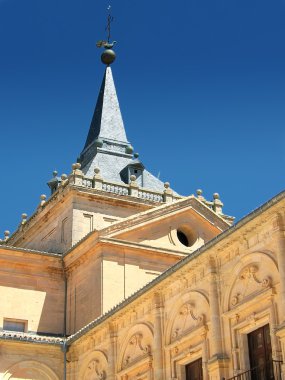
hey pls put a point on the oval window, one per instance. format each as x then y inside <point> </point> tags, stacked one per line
<point>182,238</point>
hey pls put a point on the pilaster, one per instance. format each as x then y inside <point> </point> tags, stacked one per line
<point>157,341</point>
<point>112,355</point>
<point>218,363</point>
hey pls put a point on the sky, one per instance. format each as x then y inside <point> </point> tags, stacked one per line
<point>201,85</point>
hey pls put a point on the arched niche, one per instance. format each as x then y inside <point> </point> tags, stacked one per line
<point>188,313</point>
<point>30,369</point>
<point>94,366</point>
<point>254,273</point>
<point>135,346</point>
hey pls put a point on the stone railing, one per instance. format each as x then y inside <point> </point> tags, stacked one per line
<point>150,195</point>
<point>115,188</point>
<point>132,189</point>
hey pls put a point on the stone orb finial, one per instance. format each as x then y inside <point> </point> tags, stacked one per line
<point>63,177</point>
<point>136,155</point>
<point>43,197</point>
<point>6,233</point>
<point>167,185</point>
<point>199,192</point>
<point>78,165</point>
<point>24,218</point>
<point>55,173</point>
<point>216,196</point>
<point>73,166</point>
<point>133,178</point>
<point>96,170</point>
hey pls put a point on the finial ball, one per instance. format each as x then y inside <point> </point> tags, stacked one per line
<point>24,216</point>
<point>96,170</point>
<point>167,185</point>
<point>199,192</point>
<point>6,233</point>
<point>55,173</point>
<point>108,56</point>
<point>216,196</point>
<point>136,155</point>
<point>43,197</point>
<point>129,149</point>
<point>133,177</point>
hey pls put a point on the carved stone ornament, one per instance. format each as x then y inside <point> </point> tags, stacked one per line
<point>94,371</point>
<point>136,349</point>
<point>187,319</point>
<point>248,283</point>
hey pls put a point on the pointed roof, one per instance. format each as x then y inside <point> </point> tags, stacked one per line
<point>107,121</point>
<point>107,147</point>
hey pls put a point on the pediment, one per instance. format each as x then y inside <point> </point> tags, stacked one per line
<point>184,225</point>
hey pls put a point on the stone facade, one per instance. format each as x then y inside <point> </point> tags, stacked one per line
<point>116,280</point>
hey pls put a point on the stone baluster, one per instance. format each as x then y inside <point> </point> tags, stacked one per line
<point>157,340</point>
<point>167,193</point>
<point>133,186</point>
<point>97,180</point>
<point>217,204</point>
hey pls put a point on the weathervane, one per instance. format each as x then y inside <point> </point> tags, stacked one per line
<point>108,56</point>
<point>109,20</point>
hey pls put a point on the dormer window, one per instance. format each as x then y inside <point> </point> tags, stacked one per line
<point>134,168</point>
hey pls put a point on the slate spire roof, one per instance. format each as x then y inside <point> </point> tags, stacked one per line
<point>107,146</point>
<point>107,121</point>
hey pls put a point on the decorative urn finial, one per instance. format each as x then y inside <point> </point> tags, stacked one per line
<point>108,56</point>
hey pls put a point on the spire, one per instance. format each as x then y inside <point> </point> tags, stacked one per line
<point>107,147</point>
<point>107,122</point>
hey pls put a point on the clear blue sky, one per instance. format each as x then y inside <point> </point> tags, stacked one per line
<point>201,85</point>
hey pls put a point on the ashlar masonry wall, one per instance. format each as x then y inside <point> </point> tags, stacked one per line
<point>204,309</point>
<point>31,290</point>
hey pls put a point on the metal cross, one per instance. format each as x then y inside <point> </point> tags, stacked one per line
<point>108,27</point>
